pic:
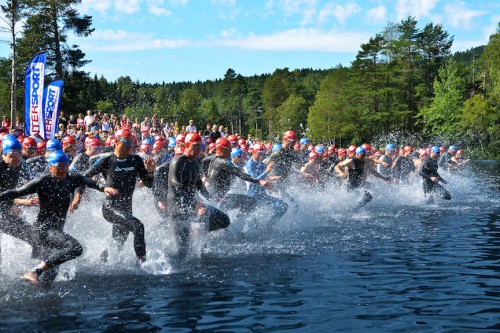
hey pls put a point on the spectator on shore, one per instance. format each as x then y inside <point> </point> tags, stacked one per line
<point>80,121</point>
<point>215,134</point>
<point>89,118</point>
<point>5,122</point>
<point>207,130</point>
<point>191,128</point>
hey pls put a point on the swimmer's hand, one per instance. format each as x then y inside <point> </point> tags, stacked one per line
<point>110,191</point>
<point>265,183</point>
<point>150,165</point>
<point>74,206</point>
<point>27,202</point>
<point>162,206</point>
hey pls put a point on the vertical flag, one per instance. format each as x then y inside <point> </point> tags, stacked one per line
<point>33,98</point>
<point>51,108</point>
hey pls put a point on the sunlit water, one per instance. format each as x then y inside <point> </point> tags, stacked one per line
<point>396,265</point>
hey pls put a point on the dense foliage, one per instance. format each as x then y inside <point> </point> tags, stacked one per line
<point>403,82</point>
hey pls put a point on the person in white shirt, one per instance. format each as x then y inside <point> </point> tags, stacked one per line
<point>89,119</point>
<point>191,127</point>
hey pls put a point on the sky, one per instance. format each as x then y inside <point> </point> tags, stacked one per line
<point>190,40</point>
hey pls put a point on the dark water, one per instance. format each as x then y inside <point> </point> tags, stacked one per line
<point>397,265</point>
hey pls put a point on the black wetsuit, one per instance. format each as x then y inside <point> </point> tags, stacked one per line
<point>50,243</point>
<point>355,174</point>
<point>444,159</point>
<point>80,163</point>
<point>38,164</point>
<point>283,160</point>
<point>205,163</point>
<point>10,223</point>
<point>355,178</point>
<point>184,181</point>
<point>121,174</point>
<point>429,169</point>
<point>221,172</point>
<point>403,167</point>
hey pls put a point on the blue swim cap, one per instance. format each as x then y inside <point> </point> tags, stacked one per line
<point>171,143</point>
<point>303,141</point>
<point>148,141</point>
<point>390,146</point>
<point>53,144</point>
<point>9,143</point>
<point>236,152</point>
<point>435,149</point>
<point>320,149</point>
<point>360,150</point>
<point>57,156</point>
<point>276,147</point>
<point>453,147</point>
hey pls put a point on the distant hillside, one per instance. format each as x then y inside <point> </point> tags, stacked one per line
<point>466,57</point>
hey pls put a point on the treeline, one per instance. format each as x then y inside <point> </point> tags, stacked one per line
<point>404,83</point>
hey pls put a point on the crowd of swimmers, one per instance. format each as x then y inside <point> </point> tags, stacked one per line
<point>192,178</point>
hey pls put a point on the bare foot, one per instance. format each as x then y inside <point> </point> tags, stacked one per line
<point>140,260</point>
<point>32,277</point>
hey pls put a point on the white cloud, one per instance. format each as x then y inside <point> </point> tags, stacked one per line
<point>306,9</point>
<point>228,33</point>
<point>121,40</point>
<point>377,15</point>
<point>340,12</point>
<point>127,6</point>
<point>159,11</point>
<point>417,8</point>
<point>101,6</point>
<point>227,3</point>
<point>461,17</point>
<point>290,40</point>
<point>178,2</point>
<point>300,40</point>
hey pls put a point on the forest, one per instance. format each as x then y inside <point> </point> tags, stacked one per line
<point>404,85</point>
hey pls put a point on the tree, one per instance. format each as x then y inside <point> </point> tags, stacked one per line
<point>292,114</point>
<point>434,45</point>
<point>275,92</point>
<point>443,116</point>
<point>46,28</point>
<point>12,10</point>
<point>491,70</point>
<point>330,117</point>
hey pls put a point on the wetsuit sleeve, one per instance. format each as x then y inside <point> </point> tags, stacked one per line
<point>29,188</point>
<point>232,169</point>
<point>424,171</point>
<point>205,164</point>
<point>160,183</point>
<point>143,172</point>
<point>95,168</point>
<point>203,190</point>
<point>83,181</point>
<point>76,165</point>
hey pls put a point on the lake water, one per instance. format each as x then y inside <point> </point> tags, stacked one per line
<point>396,265</point>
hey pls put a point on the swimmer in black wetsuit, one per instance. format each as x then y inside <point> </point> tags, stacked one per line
<point>431,177</point>
<point>51,244</point>
<point>221,172</point>
<point>38,164</point>
<point>120,171</point>
<point>184,183</point>
<point>356,173</point>
<point>403,167</point>
<point>10,168</point>
<point>80,162</point>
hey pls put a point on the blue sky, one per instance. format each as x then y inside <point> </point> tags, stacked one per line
<point>189,40</point>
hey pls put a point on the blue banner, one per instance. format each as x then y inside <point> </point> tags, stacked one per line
<point>33,96</point>
<point>51,108</point>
